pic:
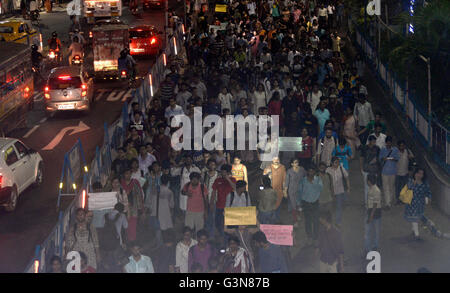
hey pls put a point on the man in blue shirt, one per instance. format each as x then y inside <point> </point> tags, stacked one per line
<point>389,156</point>
<point>271,258</point>
<point>322,115</point>
<point>310,188</point>
<point>328,124</point>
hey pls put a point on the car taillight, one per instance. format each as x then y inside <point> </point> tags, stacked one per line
<point>124,73</point>
<point>26,93</point>
<point>83,90</point>
<point>1,180</point>
<point>46,93</point>
<point>77,57</point>
<point>152,41</point>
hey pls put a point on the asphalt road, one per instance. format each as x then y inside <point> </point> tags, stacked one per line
<point>35,215</point>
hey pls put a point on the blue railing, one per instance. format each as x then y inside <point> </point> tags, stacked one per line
<point>100,167</point>
<point>427,130</point>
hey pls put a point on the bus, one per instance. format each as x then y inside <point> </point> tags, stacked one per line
<point>16,85</point>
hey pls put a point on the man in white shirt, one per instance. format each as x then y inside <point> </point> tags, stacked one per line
<point>240,197</point>
<point>314,97</point>
<point>138,263</point>
<point>364,114</point>
<point>183,96</point>
<point>381,137</point>
<point>145,159</point>
<point>199,88</point>
<point>173,110</point>
<point>251,8</point>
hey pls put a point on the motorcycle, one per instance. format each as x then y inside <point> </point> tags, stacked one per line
<point>34,15</point>
<point>54,58</point>
<point>77,60</point>
<point>37,69</point>
<point>128,77</point>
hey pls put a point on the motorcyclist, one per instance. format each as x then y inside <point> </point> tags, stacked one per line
<point>34,7</point>
<point>80,37</point>
<point>55,44</point>
<point>76,48</point>
<point>126,62</point>
<point>36,57</point>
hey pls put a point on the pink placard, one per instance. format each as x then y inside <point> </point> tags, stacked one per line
<point>278,234</point>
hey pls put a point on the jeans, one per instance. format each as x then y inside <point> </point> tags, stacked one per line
<point>400,182</point>
<point>154,223</point>
<point>266,217</point>
<point>340,199</point>
<point>311,211</point>
<point>371,242</point>
<point>210,222</point>
<point>219,217</point>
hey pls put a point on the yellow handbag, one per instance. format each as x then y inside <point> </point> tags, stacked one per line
<point>406,194</point>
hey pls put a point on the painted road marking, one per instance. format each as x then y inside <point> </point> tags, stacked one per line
<point>127,95</point>
<point>99,96</point>
<point>57,139</point>
<point>31,131</point>
<point>43,120</point>
<point>114,96</point>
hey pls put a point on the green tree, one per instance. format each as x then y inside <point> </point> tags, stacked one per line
<point>431,38</point>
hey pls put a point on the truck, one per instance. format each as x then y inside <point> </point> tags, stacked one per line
<point>109,38</point>
<point>94,9</point>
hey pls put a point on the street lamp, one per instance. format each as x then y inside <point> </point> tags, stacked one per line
<point>428,62</point>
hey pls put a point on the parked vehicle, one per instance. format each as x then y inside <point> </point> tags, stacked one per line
<point>68,88</point>
<point>20,167</point>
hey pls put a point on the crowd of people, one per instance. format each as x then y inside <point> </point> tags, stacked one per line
<point>280,58</point>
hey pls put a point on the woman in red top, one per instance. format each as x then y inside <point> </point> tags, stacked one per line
<point>275,106</point>
<point>308,147</point>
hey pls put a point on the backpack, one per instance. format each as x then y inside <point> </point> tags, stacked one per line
<point>232,198</point>
<point>322,142</point>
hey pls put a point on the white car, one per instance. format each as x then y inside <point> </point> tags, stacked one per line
<point>20,167</point>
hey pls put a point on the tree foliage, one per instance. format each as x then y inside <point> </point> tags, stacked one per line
<point>431,39</point>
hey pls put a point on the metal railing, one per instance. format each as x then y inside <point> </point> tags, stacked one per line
<point>426,129</point>
<point>100,167</point>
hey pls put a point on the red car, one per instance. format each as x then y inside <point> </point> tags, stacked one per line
<point>145,40</point>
